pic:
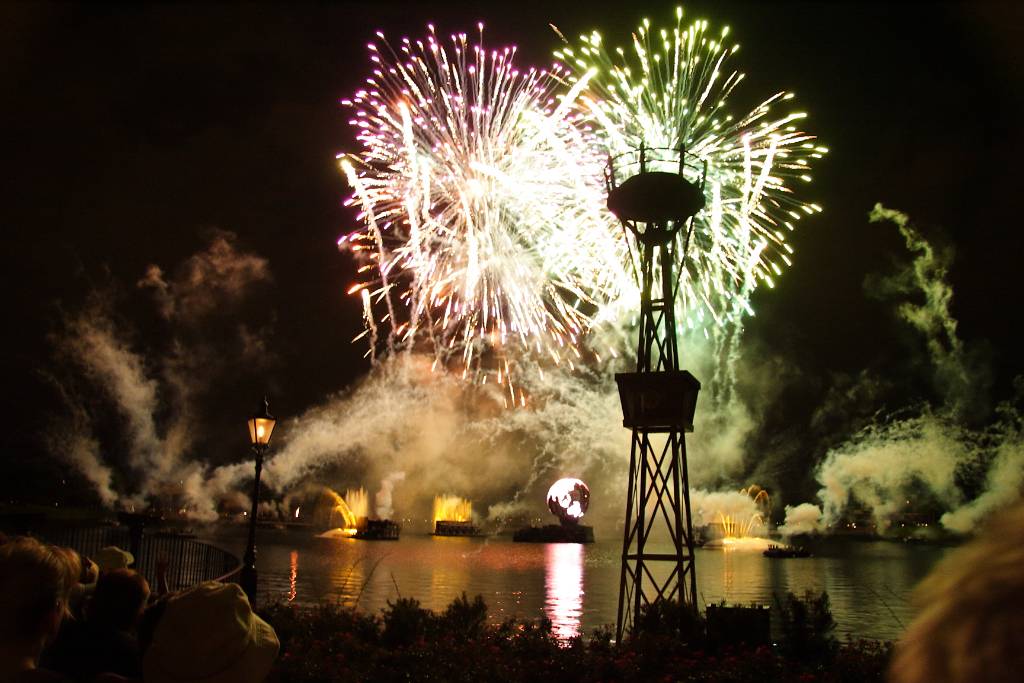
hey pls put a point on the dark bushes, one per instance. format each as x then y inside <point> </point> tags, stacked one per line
<point>408,643</point>
<point>807,629</point>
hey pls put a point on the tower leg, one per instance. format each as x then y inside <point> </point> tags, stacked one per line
<point>657,511</point>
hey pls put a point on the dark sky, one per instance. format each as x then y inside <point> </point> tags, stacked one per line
<point>131,130</point>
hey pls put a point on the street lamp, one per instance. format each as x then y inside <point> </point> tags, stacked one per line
<point>261,427</point>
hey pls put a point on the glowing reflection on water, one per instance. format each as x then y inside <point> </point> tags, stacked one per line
<point>563,583</point>
<point>868,583</point>
<point>293,575</point>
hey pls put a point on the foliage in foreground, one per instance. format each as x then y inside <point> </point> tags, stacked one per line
<point>408,643</point>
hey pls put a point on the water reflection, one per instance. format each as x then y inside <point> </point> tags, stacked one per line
<point>563,582</point>
<point>293,574</point>
<point>868,583</point>
<point>734,572</point>
<point>449,579</point>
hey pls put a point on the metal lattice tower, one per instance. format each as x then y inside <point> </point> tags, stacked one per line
<point>656,205</point>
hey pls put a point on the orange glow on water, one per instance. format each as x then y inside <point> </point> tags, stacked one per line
<point>293,575</point>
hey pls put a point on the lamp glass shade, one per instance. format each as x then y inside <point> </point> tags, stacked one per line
<point>261,427</point>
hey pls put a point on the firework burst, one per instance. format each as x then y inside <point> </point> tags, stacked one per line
<point>670,91</point>
<point>480,192</point>
<point>482,205</point>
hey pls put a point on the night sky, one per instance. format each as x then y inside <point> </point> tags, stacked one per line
<point>132,132</point>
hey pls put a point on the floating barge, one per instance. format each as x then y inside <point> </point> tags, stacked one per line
<point>555,533</point>
<point>367,530</point>
<point>783,551</point>
<point>455,529</point>
<point>378,530</point>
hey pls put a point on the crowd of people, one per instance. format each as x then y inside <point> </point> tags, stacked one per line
<point>66,618</point>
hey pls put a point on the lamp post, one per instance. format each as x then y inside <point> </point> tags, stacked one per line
<point>261,427</point>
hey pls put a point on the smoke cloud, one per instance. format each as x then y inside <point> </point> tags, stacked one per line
<point>921,462</point>
<point>421,432</point>
<point>708,507</point>
<point>218,276</point>
<point>451,437</point>
<point>73,441</point>
<point>148,392</point>
<point>804,518</point>
<point>383,499</point>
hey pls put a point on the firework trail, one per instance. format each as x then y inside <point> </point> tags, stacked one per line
<point>671,91</point>
<point>482,207</point>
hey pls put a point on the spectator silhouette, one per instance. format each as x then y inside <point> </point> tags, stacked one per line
<point>209,633</point>
<point>105,641</point>
<point>112,557</point>
<point>970,625</point>
<point>36,581</point>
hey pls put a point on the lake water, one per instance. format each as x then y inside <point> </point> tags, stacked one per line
<point>576,586</point>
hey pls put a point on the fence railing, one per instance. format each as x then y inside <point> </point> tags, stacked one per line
<point>189,561</point>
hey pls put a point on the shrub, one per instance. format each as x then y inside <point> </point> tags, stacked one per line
<point>672,619</point>
<point>464,618</point>
<point>405,622</point>
<point>409,643</point>
<point>807,627</point>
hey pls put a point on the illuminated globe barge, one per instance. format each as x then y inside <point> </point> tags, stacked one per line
<point>568,499</point>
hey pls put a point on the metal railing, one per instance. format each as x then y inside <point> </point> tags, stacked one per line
<point>189,561</point>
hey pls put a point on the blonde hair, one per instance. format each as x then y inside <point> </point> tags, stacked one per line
<point>970,623</point>
<point>35,580</point>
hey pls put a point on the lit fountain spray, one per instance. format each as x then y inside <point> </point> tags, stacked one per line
<point>348,517</point>
<point>453,516</point>
<point>359,503</point>
<point>746,531</point>
<point>656,207</point>
<point>333,512</point>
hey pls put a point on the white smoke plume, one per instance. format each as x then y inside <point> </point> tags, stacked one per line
<point>403,417</point>
<point>879,467</point>
<point>1004,479</point>
<point>888,466</point>
<point>75,443</point>
<point>804,518</point>
<point>448,435</point>
<point>148,392</point>
<point>383,497</point>
<point>217,276</point>
<point>709,507</point>
<point>927,277</point>
<point>111,364</point>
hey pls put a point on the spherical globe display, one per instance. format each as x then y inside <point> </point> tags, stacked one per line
<point>568,499</point>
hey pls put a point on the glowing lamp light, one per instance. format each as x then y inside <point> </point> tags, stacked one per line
<point>568,499</point>
<point>261,428</point>
<point>261,425</point>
